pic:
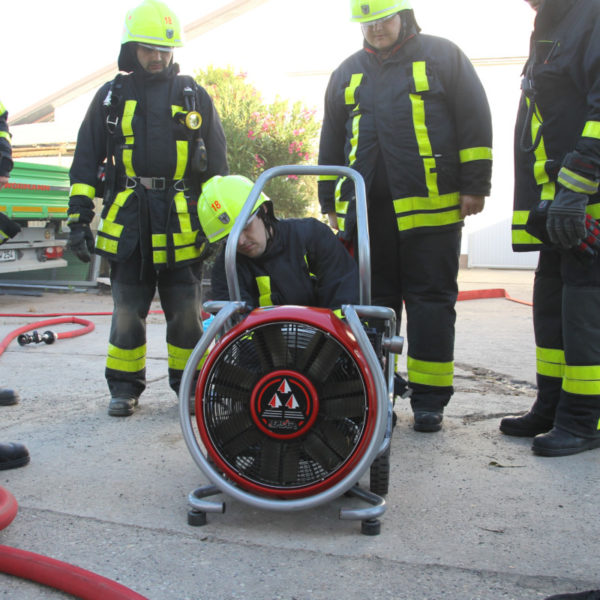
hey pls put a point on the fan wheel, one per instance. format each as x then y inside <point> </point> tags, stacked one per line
<point>286,407</point>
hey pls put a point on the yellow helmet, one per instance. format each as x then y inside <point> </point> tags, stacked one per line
<point>221,203</point>
<point>152,22</point>
<point>364,11</point>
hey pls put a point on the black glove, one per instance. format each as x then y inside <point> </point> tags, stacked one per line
<point>8,228</point>
<point>81,241</point>
<point>566,218</point>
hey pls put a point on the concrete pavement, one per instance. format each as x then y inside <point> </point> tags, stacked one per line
<point>472,514</point>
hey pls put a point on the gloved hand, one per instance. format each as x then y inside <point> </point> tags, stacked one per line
<point>203,245</point>
<point>81,241</point>
<point>8,228</point>
<point>587,250</point>
<point>566,218</point>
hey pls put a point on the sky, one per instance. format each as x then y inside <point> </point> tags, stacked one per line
<point>286,47</point>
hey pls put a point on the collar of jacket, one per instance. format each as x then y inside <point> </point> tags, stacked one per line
<point>395,50</point>
<point>552,12</point>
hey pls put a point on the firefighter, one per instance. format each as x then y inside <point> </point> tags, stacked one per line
<point>557,173</point>
<point>409,113</point>
<point>11,455</point>
<point>159,137</point>
<point>279,261</point>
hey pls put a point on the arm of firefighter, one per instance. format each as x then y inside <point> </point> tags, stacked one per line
<point>90,152</point>
<point>335,270</point>
<point>219,289</point>
<point>213,135</point>
<point>580,169</point>
<point>332,141</point>
<point>6,163</point>
<point>472,122</point>
<point>8,228</point>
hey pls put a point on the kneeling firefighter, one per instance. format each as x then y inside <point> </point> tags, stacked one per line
<point>158,138</point>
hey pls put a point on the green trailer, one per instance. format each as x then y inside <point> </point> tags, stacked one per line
<point>37,197</point>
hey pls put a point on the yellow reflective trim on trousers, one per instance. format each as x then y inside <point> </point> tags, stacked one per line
<point>177,357</point>
<point>185,223</point>
<point>550,362</point>
<point>591,129</point>
<point>419,69</point>
<point>470,154</point>
<point>182,147</point>
<point>584,380</point>
<point>264,290</point>
<point>82,189</point>
<point>437,374</point>
<point>576,182</point>
<point>129,361</point>
<point>127,130</point>
<point>5,134</point>
<point>350,91</point>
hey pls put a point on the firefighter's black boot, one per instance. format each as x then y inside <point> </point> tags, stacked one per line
<point>122,406</point>
<point>590,595</point>
<point>428,420</point>
<point>8,397</point>
<point>527,425</point>
<point>12,456</point>
<point>558,442</point>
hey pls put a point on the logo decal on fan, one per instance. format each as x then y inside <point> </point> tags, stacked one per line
<point>284,404</point>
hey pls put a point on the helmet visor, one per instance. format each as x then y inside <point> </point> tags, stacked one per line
<point>377,22</point>
<point>154,47</point>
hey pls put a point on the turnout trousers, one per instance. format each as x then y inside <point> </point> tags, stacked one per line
<point>418,270</point>
<point>566,319</point>
<point>179,290</point>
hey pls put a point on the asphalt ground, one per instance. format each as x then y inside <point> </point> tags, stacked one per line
<point>471,514</point>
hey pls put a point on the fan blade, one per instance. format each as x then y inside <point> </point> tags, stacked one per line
<point>271,346</point>
<point>320,452</point>
<point>324,360</point>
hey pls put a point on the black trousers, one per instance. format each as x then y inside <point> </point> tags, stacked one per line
<point>566,319</point>
<point>418,271</point>
<point>179,291</point>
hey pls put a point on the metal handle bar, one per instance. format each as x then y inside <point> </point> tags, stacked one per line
<point>364,252</point>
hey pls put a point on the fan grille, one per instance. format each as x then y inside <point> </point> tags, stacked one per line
<point>296,358</point>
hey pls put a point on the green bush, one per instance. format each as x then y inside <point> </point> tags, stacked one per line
<point>260,136</point>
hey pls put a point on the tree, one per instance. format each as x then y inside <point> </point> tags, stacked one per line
<point>260,136</point>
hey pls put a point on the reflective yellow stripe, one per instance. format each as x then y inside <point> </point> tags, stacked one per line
<point>264,290</point>
<point>177,357</point>
<point>576,182</point>
<point>591,129</point>
<point>341,208</point>
<point>127,130</point>
<point>350,91</point>
<point>402,205</point>
<point>420,76</point>
<point>327,177</point>
<point>181,254</point>
<point>593,210</point>
<point>82,189</point>
<point>437,374</point>
<point>418,110</point>
<point>129,361</point>
<point>550,362</point>
<point>426,219</point>
<point>469,154</point>
<point>338,313</point>
<point>2,109</point>
<point>5,134</point>
<point>520,236</point>
<point>584,380</point>
<point>182,158</point>
<point>181,206</point>
<point>106,244</point>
